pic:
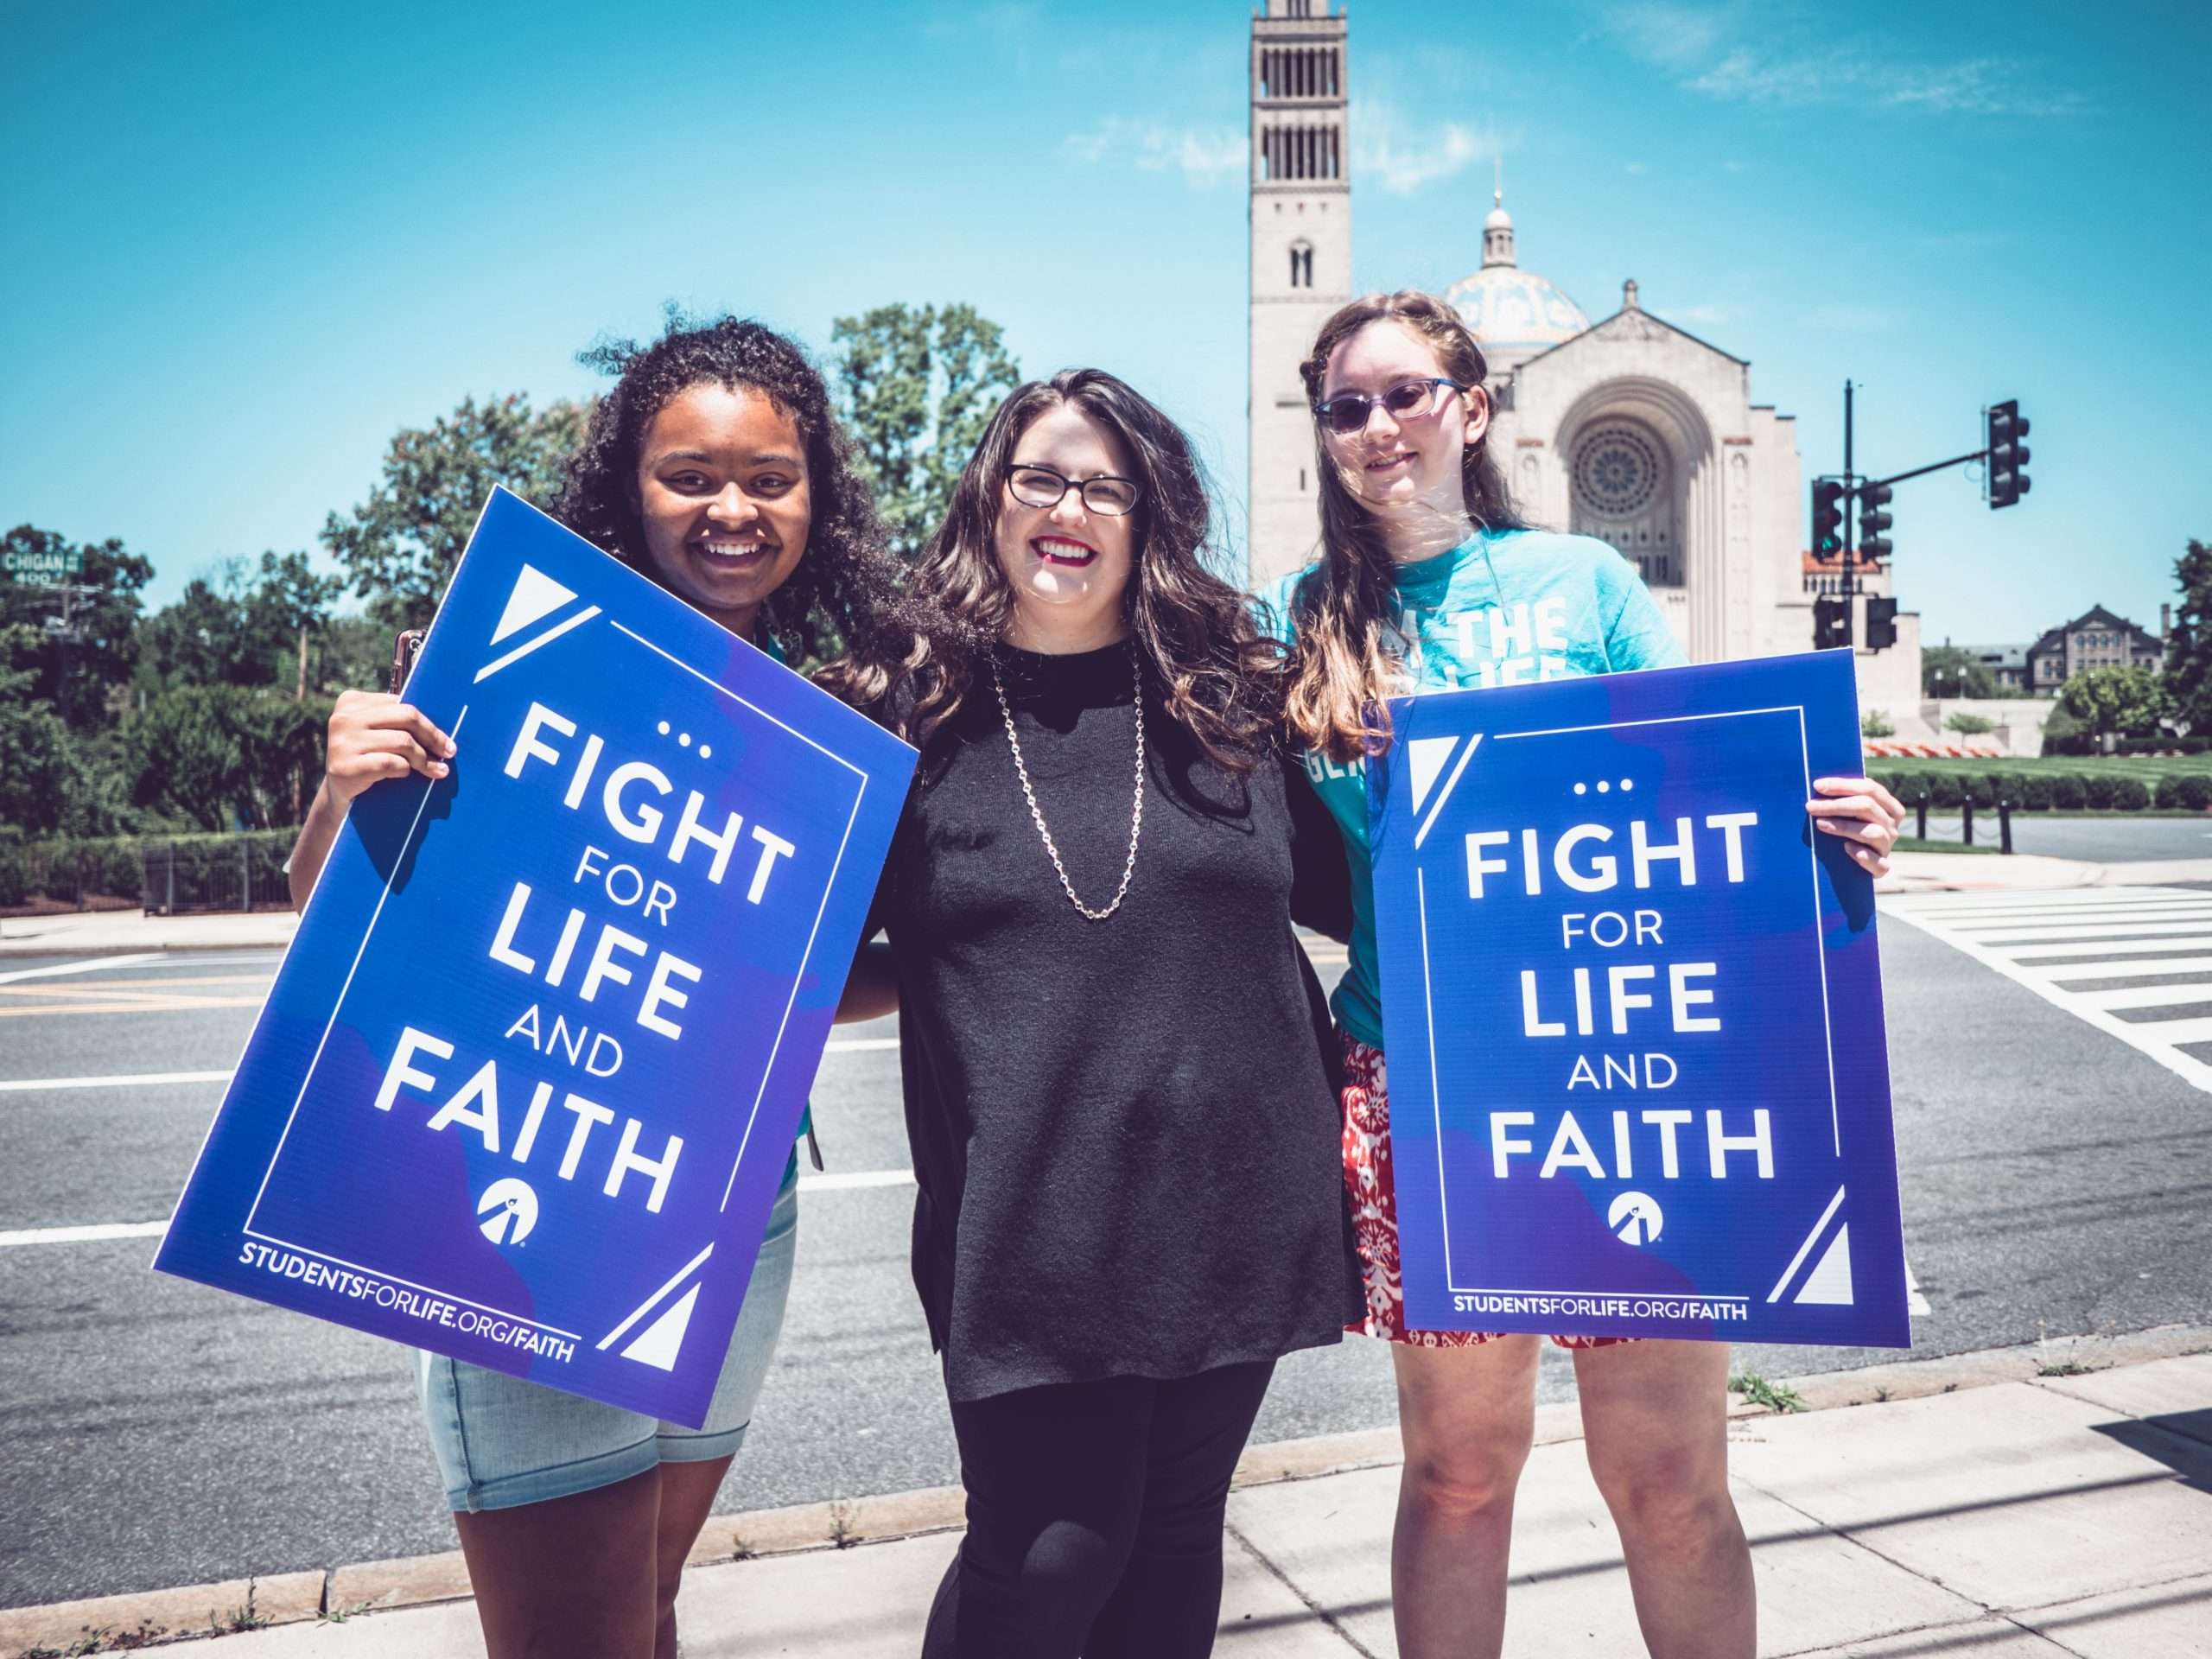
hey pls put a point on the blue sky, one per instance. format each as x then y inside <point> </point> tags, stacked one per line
<point>247,244</point>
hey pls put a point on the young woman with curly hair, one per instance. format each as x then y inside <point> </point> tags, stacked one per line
<point>1428,581</point>
<point>1115,1060</point>
<point>716,469</point>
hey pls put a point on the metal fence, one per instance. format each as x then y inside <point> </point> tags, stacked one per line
<point>179,878</point>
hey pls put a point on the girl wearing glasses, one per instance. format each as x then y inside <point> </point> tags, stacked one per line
<point>1428,581</point>
<point>1129,1204</point>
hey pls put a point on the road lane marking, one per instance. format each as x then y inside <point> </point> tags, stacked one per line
<point>850,1181</point>
<point>163,1079</point>
<point>2103,924</point>
<point>90,965</point>
<point>123,1080</point>
<point>146,1003</point>
<point>94,1235</point>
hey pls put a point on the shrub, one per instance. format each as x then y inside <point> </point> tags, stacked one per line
<point>2185,791</point>
<point>1902,784</point>
<point>1969,725</point>
<point>2097,790</point>
<point>1943,792</point>
<point>2068,791</point>
<point>1876,722</point>
<point>2029,791</point>
<point>2130,795</point>
<point>210,872</point>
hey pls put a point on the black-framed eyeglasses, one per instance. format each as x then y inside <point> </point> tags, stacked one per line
<point>1348,411</point>
<point>1040,487</point>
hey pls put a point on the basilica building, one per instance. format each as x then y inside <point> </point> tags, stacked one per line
<point>1628,428</point>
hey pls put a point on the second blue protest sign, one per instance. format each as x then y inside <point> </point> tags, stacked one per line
<point>1638,1078</point>
<point>527,1082</point>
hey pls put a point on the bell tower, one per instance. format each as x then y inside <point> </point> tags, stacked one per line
<point>1301,261</point>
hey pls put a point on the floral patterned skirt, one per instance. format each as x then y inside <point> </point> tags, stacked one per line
<point>1371,1180</point>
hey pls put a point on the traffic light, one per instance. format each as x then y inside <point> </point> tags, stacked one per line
<point>2008,455</point>
<point>1831,623</point>
<point>1827,518</point>
<point>1873,521</point>
<point>1881,622</point>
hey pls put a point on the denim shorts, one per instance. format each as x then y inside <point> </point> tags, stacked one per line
<point>501,1441</point>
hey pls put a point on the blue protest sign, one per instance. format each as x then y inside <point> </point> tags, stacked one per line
<point>1632,999</point>
<point>527,1080</point>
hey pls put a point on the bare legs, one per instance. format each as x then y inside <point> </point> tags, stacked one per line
<point>1654,1419</point>
<point>594,1575</point>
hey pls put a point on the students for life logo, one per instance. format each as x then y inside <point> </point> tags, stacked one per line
<point>509,1209</point>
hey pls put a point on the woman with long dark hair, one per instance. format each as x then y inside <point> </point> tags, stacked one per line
<point>1116,1059</point>
<point>716,469</point>
<point>1429,581</point>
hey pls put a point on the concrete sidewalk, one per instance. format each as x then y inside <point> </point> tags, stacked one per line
<point>2046,1501</point>
<point>128,932</point>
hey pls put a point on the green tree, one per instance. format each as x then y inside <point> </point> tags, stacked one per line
<point>2189,642</point>
<point>1953,671</point>
<point>355,655</point>
<point>917,387</point>
<point>399,547</point>
<point>2117,702</point>
<point>1876,722</point>
<point>244,626</point>
<point>81,668</point>
<point>223,757</point>
<point>35,771</point>
<point>1967,725</point>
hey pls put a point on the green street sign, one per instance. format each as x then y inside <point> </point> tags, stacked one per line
<point>43,564</point>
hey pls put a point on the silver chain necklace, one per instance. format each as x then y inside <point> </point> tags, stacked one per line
<point>1029,794</point>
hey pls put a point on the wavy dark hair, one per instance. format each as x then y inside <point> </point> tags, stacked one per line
<point>1345,609</point>
<point>1195,632</point>
<point>847,577</point>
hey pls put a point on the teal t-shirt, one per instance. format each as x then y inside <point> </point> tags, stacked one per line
<point>1502,608</point>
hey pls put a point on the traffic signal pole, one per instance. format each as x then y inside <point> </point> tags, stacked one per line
<point>1833,532</point>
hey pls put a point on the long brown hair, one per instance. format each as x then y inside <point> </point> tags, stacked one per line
<point>1345,610</point>
<point>1194,631</point>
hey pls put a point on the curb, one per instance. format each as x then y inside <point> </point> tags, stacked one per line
<point>147,1618</point>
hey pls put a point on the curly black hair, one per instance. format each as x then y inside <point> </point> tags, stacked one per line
<point>847,577</point>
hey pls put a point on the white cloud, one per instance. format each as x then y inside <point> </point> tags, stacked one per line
<point>1738,55</point>
<point>1401,158</point>
<point>1203,155</point>
<point>1705,316</point>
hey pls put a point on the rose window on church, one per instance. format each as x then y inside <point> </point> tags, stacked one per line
<point>1624,495</point>
<point>1616,473</point>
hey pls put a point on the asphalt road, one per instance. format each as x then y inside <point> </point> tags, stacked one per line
<point>2097,840</point>
<point>156,1433</point>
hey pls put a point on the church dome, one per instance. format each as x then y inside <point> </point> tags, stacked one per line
<point>1513,310</point>
<point>1515,314</point>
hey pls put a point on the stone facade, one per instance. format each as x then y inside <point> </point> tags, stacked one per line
<point>1302,259</point>
<point>1631,429</point>
<point>2096,638</point>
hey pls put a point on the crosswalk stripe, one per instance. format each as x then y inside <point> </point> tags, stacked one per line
<point>2049,942</point>
<point>2126,968</point>
<point>2137,950</point>
<point>2059,946</point>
